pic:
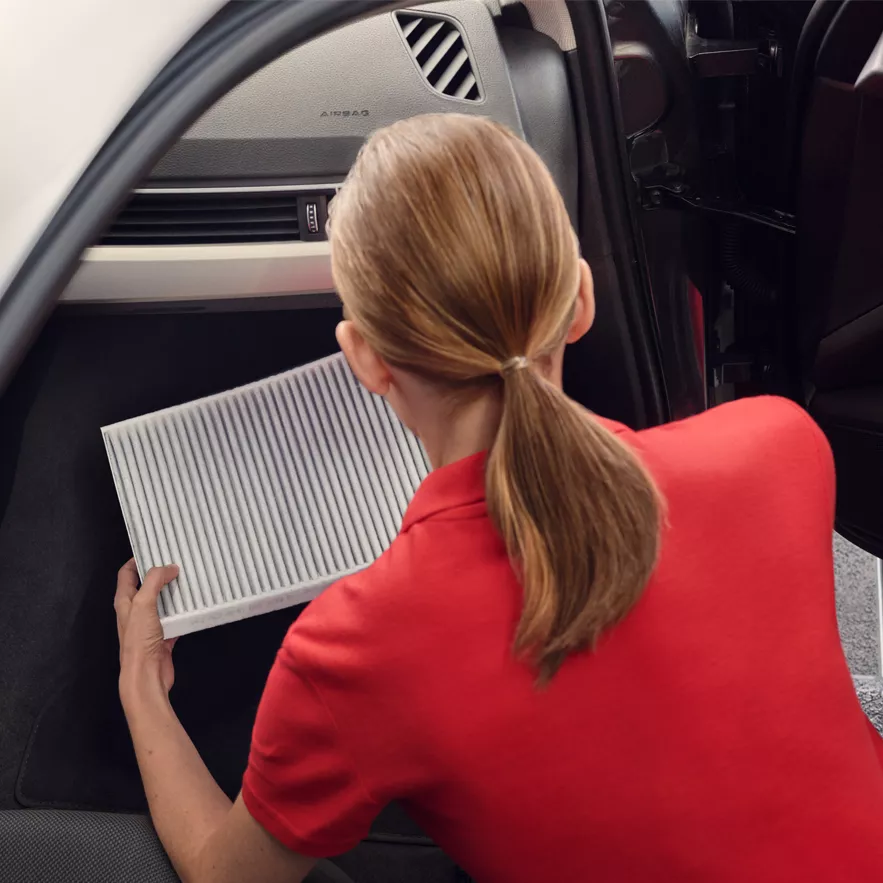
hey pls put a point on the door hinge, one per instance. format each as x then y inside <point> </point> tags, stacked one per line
<point>676,195</point>
<point>733,58</point>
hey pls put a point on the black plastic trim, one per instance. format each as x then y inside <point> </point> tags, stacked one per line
<point>852,419</point>
<point>538,71</point>
<point>254,304</point>
<point>594,61</point>
<point>818,21</point>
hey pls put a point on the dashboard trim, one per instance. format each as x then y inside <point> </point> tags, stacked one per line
<point>248,188</point>
<point>125,274</point>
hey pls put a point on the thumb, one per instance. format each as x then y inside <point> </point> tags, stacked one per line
<point>154,581</point>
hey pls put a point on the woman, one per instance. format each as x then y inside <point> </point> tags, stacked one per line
<point>590,654</point>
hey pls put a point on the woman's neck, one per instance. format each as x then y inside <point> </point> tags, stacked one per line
<point>450,432</point>
<point>471,427</point>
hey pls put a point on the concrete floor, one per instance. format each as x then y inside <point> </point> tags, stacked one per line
<point>858,612</point>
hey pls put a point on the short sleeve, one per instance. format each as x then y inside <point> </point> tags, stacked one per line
<point>301,786</point>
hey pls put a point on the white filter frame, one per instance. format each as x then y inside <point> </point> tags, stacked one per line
<point>265,494</point>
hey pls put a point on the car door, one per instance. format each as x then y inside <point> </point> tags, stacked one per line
<point>793,97</point>
<point>838,192</point>
<point>769,161</point>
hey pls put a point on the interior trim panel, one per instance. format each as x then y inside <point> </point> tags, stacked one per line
<point>308,112</point>
<point>162,273</point>
<point>248,188</point>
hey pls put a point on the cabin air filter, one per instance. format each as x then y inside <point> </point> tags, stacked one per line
<point>265,494</point>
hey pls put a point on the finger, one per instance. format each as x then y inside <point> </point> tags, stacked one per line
<point>127,581</point>
<point>122,617</point>
<point>127,586</point>
<point>154,581</point>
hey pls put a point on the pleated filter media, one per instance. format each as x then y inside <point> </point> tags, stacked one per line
<point>264,495</point>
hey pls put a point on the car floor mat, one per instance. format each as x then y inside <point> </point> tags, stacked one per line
<point>80,755</point>
<point>62,537</point>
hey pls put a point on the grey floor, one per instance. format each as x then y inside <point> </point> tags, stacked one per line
<point>858,611</point>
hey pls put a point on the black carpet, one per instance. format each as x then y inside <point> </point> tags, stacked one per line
<point>63,741</point>
<point>80,756</point>
<point>62,539</point>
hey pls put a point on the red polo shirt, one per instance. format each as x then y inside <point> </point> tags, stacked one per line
<point>713,736</point>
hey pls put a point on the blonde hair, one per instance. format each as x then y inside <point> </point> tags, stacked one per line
<point>453,254</point>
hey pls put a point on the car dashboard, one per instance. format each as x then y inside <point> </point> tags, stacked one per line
<point>235,211</point>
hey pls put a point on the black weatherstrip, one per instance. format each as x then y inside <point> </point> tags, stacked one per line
<point>224,53</point>
<point>594,58</point>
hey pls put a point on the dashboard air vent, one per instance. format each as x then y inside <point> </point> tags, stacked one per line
<point>439,48</point>
<point>219,217</point>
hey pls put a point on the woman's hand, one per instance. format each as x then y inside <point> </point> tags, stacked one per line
<point>145,656</point>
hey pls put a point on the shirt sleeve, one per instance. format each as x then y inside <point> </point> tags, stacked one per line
<point>301,785</point>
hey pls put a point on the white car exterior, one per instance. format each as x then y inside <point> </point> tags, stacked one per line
<point>69,72</point>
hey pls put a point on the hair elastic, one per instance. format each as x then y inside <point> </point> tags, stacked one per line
<point>516,363</point>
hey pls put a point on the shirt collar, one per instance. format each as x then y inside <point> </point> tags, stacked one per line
<point>458,484</point>
<point>461,483</point>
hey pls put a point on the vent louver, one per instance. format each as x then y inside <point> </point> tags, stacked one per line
<point>439,48</point>
<point>207,218</point>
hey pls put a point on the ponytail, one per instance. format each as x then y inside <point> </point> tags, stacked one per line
<point>579,515</point>
<point>452,250</point>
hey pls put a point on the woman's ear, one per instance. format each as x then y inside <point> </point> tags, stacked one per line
<point>369,368</point>
<point>584,310</point>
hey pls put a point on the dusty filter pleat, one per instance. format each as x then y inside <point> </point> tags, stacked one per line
<point>264,495</point>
